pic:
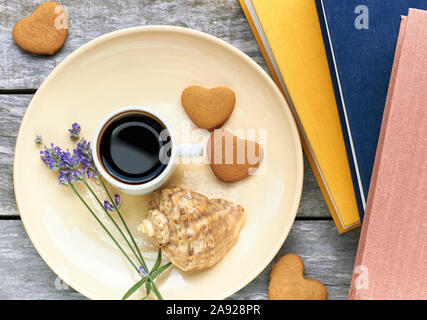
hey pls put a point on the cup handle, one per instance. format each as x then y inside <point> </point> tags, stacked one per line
<point>190,150</point>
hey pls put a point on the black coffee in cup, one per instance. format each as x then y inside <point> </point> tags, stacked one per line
<point>132,148</point>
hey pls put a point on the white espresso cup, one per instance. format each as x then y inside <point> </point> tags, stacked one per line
<point>170,151</point>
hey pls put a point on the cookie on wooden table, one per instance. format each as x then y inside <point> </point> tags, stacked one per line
<point>44,31</point>
<point>287,281</point>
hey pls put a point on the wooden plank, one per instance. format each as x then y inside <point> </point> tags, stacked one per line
<point>90,19</point>
<point>328,257</point>
<point>23,274</point>
<point>12,108</point>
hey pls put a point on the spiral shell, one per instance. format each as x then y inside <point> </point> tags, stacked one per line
<point>195,232</point>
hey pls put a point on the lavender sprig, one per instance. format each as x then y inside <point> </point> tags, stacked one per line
<point>84,152</point>
<point>117,200</point>
<point>52,157</point>
<point>75,131</point>
<point>74,167</point>
<point>66,163</point>
<point>38,140</point>
<point>108,206</point>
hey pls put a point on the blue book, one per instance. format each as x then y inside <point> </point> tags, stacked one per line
<point>360,38</point>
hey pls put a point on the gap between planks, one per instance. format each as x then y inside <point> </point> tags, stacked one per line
<point>18,91</point>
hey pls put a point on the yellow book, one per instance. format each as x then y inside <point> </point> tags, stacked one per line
<point>289,36</point>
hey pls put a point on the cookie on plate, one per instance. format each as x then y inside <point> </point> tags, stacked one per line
<point>208,108</point>
<point>231,158</point>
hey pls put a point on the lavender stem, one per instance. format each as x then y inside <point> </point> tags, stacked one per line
<point>112,220</point>
<point>102,225</point>
<point>144,265</point>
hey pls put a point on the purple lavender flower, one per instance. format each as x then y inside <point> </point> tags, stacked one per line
<point>67,176</point>
<point>75,131</point>
<point>142,271</point>
<point>84,153</point>
<point>71,165</point>
<point>117,200</point>
<point>108,206</point>
<point>39,140</point>
<point>84,150</point>
<point>77,175</point>
<point>68,165</point>
<point>63,180</point>
<point>70,161</point>
<point>52,157</point>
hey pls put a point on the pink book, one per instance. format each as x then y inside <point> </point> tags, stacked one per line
<point>391,261</point>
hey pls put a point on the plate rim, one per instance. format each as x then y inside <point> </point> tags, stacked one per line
<point>205,36</point>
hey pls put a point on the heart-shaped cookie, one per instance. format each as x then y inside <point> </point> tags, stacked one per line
<point>44,31</point>
<point>287,281</point>
<point>208,108</point>
<point>230,157</point>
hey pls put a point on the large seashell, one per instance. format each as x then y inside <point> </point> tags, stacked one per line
<point>194,232</point>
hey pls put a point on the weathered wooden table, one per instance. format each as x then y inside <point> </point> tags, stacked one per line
<point>328,256</point>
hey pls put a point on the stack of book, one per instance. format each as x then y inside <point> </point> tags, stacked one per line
<point>355,75</point>
<point>391,262</point>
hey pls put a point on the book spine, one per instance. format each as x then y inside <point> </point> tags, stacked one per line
<point>328,49</point>
<point>355,282</point>
<point>312,161</point>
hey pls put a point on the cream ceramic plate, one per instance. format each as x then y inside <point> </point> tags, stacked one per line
<point>150,66</point>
